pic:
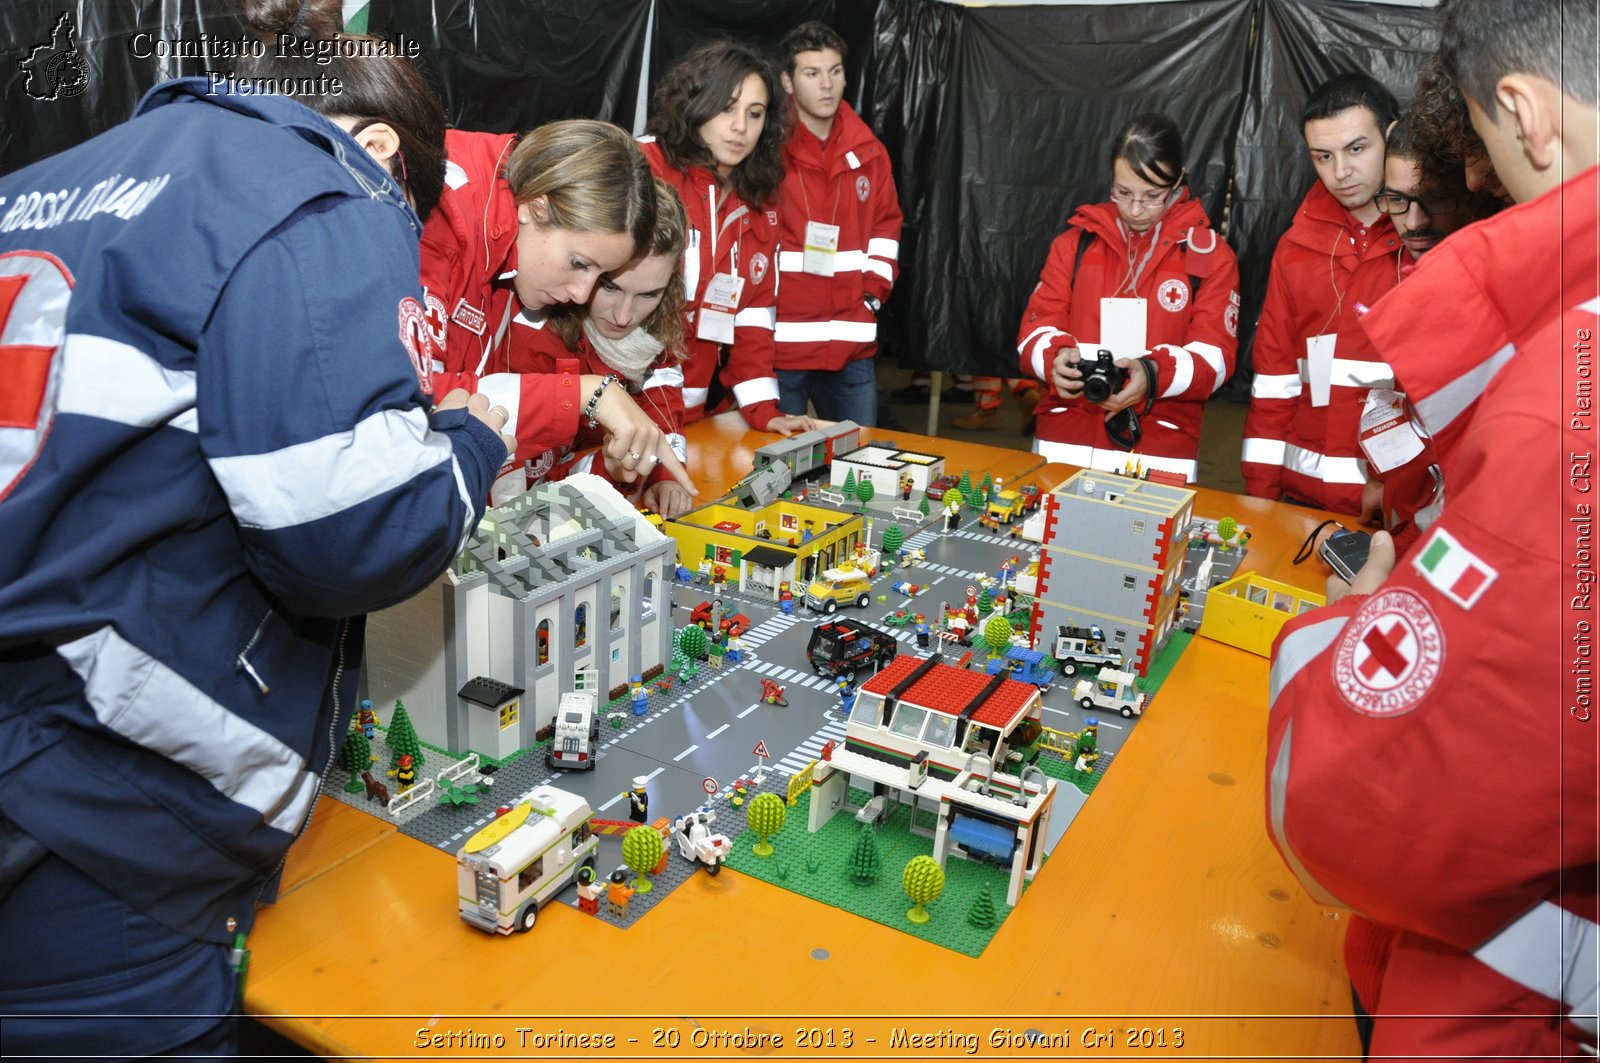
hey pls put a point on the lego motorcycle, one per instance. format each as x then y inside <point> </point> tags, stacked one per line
<point>696,843</point>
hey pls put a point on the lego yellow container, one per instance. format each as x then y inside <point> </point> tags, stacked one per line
<point>1249,610</point>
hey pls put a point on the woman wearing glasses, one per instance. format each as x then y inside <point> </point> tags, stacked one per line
<point>1145,277</point>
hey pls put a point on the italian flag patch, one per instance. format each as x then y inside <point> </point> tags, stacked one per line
<point>1457,572</point>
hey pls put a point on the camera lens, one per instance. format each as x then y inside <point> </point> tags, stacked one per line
<point>1096,388</point>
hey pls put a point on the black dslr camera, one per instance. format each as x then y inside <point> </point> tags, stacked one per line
<point>1102,377</point>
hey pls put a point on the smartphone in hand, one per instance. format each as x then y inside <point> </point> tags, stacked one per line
<point>1345,552</point>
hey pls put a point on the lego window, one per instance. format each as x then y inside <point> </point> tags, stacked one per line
<point>1121,636</point>
<point>941,730</point>
<point>580,626</point>
<point>1138,527</point>
<point>788,522</point>
<point>1283,603</point>
<point>543,635</point>
<point>616,608</point>
<point>907,720</point>
<point>1306,607</point>
<point>1256,595</point>
<point>647,607</point>
<point>864,711</point>
<point>723,555</point>
<point>529,876</point>
<point>508,714</point>
<point>1129,582</point>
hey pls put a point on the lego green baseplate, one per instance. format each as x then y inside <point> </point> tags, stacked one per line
<point>819,866</point>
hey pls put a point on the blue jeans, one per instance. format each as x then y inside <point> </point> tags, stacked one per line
<point>112,982</point>
<point>849,394</point>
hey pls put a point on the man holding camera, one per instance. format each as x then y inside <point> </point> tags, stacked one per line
<point>1313,366</point>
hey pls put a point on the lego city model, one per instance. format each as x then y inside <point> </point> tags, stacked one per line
<point>522,859</point>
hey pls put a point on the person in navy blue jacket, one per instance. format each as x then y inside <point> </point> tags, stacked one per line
<point>215,457</point>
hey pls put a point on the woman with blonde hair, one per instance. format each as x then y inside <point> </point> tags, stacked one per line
<point>633,326</point>
<point>532,222</point>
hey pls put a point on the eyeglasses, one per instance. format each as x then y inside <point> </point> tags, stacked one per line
<point>1391,202</point>
<point>1146,199</point>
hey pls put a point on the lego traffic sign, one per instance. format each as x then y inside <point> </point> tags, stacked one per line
<point>709,785</point>
<point>761,750</point>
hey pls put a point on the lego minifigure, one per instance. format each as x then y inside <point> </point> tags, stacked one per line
<point>367,719</point>
<point>1085,745</point>
<point>735,649</point>
<point>785,598</point>
<point>618,894</point>
<point>847,695</point>
<point>905,487</point>
<point>406,773</point>
<point>640,698</point>
<point>589,890</point>
<point>952,514</point>
<point>922,632</point>
<point>639,800</point>
<point>719,577</point>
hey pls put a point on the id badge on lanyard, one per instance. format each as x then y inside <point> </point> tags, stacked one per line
<point>1388,438</point>
<point>718,307</point>
<point>1319,366</point>
<point>822,244</point>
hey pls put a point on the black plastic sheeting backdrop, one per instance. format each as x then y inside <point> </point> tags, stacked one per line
<point>998,119</point>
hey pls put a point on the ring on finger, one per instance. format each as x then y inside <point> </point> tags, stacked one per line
<point>633,455</point>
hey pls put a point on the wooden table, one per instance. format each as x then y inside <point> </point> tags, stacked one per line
<point>1163,909</point>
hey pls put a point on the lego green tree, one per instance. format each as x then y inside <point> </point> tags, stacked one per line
<point>965,486</point>
<point>355,757</point>
<point>988,486</point>
<point>850,483</point>
<point>864,861</point>
<point>894,537</point>
<point>922,507</point>
<point>765,816</point>
<point>985,602</point>
<point>1227,528</point>
<point>997,633</point>
<point>864,491</point>
<point>641,851</point>
<point>403,738</point>
<point>982,914</point>
<point>693,642</point>
<point>923,881</point>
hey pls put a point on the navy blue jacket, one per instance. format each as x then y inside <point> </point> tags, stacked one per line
<point>215,456</point>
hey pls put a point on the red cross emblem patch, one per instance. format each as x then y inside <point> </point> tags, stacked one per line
<point>35,289</point>
<point>1390,655</point>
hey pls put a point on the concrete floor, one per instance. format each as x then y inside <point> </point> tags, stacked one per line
<point>1219,442</point>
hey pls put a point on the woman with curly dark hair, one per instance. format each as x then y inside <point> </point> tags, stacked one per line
<point>713,138</point>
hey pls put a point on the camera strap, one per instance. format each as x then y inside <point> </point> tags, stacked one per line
<point>1123,428</point>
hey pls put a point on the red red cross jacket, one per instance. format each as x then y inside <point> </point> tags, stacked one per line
<point>825,322</point>
<point>1327,267</point>
<point>537,349</point>
<point>469,257</point>
<point>739,239</point>
<point>1431,747</point>
<point>1191,334</point>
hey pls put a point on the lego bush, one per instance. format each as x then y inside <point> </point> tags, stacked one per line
<point>355,758</point>
<point>894,537</point>
<point>694,643</point>
<point>997,633</point>
<point>864,860</point>
<point>641,851</point>
<point>765,817</point>
<point>923,882</point>
<point>865,490</point>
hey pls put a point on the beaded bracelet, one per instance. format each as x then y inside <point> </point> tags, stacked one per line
<point>594,400</point>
